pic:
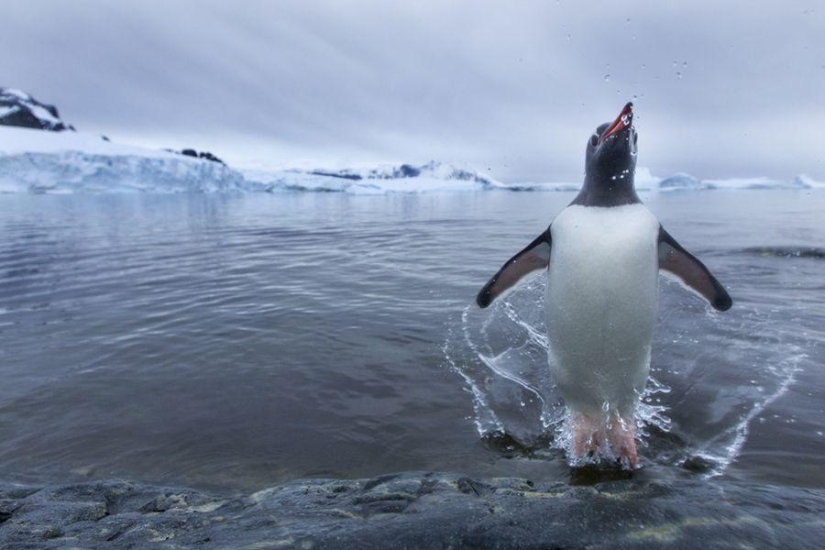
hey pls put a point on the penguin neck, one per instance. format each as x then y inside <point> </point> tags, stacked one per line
<point>601,190</point>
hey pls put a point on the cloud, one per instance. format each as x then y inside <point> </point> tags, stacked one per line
<point>516,87</point>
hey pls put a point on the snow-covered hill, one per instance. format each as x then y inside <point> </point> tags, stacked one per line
<point>34,161</point>
<point>404,178</point>
<point>17,108</point>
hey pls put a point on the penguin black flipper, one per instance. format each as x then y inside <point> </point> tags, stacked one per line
<point>680,263</point>
<point>535,256</point>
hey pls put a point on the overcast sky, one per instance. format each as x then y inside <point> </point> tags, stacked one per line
<point>512,88</point>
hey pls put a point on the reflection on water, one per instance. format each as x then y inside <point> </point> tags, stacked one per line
<point>234,342</point>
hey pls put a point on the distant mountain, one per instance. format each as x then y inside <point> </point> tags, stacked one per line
<point>18,108</point>
<point>431,170</point>
<point>61,160</point>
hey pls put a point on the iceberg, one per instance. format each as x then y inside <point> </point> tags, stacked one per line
<point>744,183</point>
<point>681,181</point>
<point>804,181</point>
<point>644,180</point>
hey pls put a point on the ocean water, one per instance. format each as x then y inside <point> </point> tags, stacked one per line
<point>232,342</point>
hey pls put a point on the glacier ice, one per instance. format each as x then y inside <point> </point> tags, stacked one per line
<point>37,161</point>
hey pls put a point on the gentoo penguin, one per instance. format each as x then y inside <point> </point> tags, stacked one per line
<point>603,255</point>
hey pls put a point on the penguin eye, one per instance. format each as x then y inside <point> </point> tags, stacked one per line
<point>594,140</point>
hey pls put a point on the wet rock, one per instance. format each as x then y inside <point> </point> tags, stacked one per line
<point>698,464</point>
<point>415,510</point>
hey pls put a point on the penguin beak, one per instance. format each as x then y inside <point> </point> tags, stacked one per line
<point>622,121</point>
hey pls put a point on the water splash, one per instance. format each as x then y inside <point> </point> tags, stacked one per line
<point>725,448</point>
<point>501,355</point>
<point>698,404</point>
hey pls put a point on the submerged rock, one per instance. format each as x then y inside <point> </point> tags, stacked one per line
<point>414,510</point>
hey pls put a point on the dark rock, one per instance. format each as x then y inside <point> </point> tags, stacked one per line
<point>342,174</point>
<point>415,510</point>
<point>407,171</point>
<point>20,109</point>
<point>698,464</point>
<point>206,155</point>
<point>209,156</point>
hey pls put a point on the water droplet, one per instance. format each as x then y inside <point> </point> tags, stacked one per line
<point>679,75</point>
<point>627,20</point>
<point>607,78</point>
<point>644,66</point>
<point>675,63</point>
<point>684,64</point>
<point>568,36</point>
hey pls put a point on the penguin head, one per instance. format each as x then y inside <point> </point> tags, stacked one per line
<point>611,150</point>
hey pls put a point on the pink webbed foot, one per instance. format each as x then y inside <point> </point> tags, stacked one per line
<point>586,439</point>
<point>590,436</point>
<point>622,437</point>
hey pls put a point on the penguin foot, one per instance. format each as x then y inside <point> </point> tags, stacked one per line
<point>622,437</point>
<point>613,435</point>
<point>586,439</point>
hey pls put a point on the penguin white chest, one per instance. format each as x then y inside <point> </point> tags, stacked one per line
<point>601,304</point>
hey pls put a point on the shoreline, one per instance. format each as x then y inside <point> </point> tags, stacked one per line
<point>413,510</point>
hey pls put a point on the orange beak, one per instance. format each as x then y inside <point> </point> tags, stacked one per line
<point>624,119</point>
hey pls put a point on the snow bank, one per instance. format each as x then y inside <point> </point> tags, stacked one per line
<point>36,161</point>
<point>404,178</point>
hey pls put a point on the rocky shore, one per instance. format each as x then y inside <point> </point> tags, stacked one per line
<point>414,510</point>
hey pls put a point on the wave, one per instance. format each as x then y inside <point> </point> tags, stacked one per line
<point>809,252</point>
